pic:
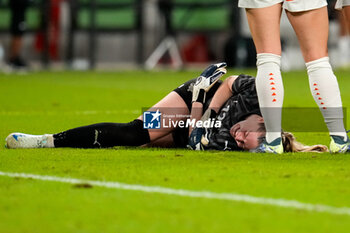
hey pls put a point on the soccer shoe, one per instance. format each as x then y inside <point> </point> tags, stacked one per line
<point>338,145</point>
<point>21,140</point>
<point>275,147</point>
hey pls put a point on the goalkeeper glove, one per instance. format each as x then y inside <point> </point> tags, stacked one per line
<point>206,80</point>
<point>199,138</point>
<point>194,141</point>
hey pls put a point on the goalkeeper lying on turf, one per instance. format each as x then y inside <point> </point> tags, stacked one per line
<point>233,104</point>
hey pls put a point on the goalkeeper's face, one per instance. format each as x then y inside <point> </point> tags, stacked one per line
<point>248,132</point>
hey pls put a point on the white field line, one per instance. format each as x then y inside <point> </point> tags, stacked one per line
<point>292,204</point>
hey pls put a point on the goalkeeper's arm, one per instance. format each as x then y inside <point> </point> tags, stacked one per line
<point>202,85</point>
<point>222,94</point>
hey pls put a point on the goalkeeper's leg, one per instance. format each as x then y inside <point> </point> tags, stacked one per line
<point>126,134</point>
<point>100,135</point>
<point>173,108</point>
<point>105,134</point>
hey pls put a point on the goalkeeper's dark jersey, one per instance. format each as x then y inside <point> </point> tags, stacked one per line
<point>243,103</point>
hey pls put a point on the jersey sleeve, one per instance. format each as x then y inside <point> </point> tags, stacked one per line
<point>242,103</point>
<point>243,83</point>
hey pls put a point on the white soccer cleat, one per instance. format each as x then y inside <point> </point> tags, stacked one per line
<point>275,147</point>
<point>338,145</point>
<point>21,140</point>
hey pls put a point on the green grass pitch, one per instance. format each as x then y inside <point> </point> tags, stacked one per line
<point>49,102</point>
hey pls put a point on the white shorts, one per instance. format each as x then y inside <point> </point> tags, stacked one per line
<point>289,5</point>
<point>341,3</point>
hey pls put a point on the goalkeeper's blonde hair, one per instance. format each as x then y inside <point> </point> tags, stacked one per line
<point>290,144</point>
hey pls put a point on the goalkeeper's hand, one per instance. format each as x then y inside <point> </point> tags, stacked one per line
<point>194,141</point>
<point>199,139</point>
<point>206,80</point>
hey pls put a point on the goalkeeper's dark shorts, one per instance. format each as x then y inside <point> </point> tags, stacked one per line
<point>185,91</point>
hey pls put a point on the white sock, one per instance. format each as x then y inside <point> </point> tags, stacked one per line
<point>49,140</point>
<point>325,90</point>
<point>344,50</point>
<point>270,92</point>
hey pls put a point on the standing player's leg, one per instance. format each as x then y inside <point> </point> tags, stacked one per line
<point>346,12</point>
<point>344,5</point>
<point>343,46</point>
<point>264,25</point>
<point>17,29</point>
<point>344,38</point>
<point>311,28</point>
